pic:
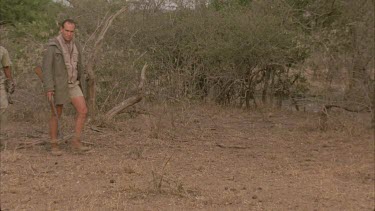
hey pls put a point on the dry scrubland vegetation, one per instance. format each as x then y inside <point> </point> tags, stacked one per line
<point>246,105</point>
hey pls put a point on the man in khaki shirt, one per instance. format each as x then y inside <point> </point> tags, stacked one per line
<point>6,84</point>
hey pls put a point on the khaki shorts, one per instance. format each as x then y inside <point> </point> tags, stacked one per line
<point>75,91</point>
<point>3,97</point>
<point>3,106</point>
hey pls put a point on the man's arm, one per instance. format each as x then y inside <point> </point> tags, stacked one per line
<point>8,73</point>
<point>9,83</point>
<point>5,61</point>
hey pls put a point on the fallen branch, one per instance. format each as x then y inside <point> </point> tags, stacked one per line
<point>88,143</point>
<point>94,128</point>
<point>326,108</point>
<point>30,144</point>
<point>131,100</point>
<point>231,147</point>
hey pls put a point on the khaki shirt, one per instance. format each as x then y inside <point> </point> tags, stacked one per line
<point>4,62</point>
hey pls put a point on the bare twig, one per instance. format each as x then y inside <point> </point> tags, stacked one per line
<point>30,144</point>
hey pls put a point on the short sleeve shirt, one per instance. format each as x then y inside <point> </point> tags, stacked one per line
<point>4,62</point>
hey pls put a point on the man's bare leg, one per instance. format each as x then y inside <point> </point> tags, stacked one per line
<point>79,104</point>
<point>53,129</point>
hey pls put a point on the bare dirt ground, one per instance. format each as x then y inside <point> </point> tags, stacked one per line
<point>194,157</point>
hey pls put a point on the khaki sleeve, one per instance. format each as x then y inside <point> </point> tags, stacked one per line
<point>47,68</point>
<point>5,60</point>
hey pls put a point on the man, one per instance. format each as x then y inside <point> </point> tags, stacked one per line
<point>63,80</point>
<point>6,84</point>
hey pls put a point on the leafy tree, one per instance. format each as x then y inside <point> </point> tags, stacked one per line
<point>34,17</point>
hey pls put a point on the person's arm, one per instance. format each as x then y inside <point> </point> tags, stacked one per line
<point>8,73</point>
<point>10,85</point>
<point>5,61</point>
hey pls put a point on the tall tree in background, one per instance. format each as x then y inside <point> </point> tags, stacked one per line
<point>19,11</point>
<point>32,17</point>
<point>343,32</point>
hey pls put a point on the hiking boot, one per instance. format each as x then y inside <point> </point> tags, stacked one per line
<point>55,150</point>
<point>77,146</point>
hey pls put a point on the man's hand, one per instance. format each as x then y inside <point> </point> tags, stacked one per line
<point>10,86</point>
<point>50,95</point>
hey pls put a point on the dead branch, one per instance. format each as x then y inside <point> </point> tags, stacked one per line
<point>231,146</point>
<point>93,57</point>
<point>30,144</point>
<point>326,108</point>
<point>94,128</point>
<point>92,36</point>
<point>131,100</point>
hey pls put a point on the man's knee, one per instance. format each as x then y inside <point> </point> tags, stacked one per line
<point>80,105</point>
<point>82,111</point>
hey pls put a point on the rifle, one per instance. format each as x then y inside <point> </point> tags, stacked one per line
<point>39,73</point>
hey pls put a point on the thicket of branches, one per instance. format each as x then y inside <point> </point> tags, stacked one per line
<point>239,53</point>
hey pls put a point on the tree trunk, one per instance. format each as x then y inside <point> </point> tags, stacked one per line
<point>266,85</point>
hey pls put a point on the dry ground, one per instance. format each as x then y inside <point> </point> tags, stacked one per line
<point>194,157</point>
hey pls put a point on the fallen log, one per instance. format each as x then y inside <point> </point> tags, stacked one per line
<point>326,108</point>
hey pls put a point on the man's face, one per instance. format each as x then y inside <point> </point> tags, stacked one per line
<point>67,31</point>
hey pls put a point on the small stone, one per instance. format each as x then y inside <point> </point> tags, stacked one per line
<point>112,181</point>
<point>255,197</point>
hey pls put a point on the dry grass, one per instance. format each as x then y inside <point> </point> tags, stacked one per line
<point>194,157</point>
